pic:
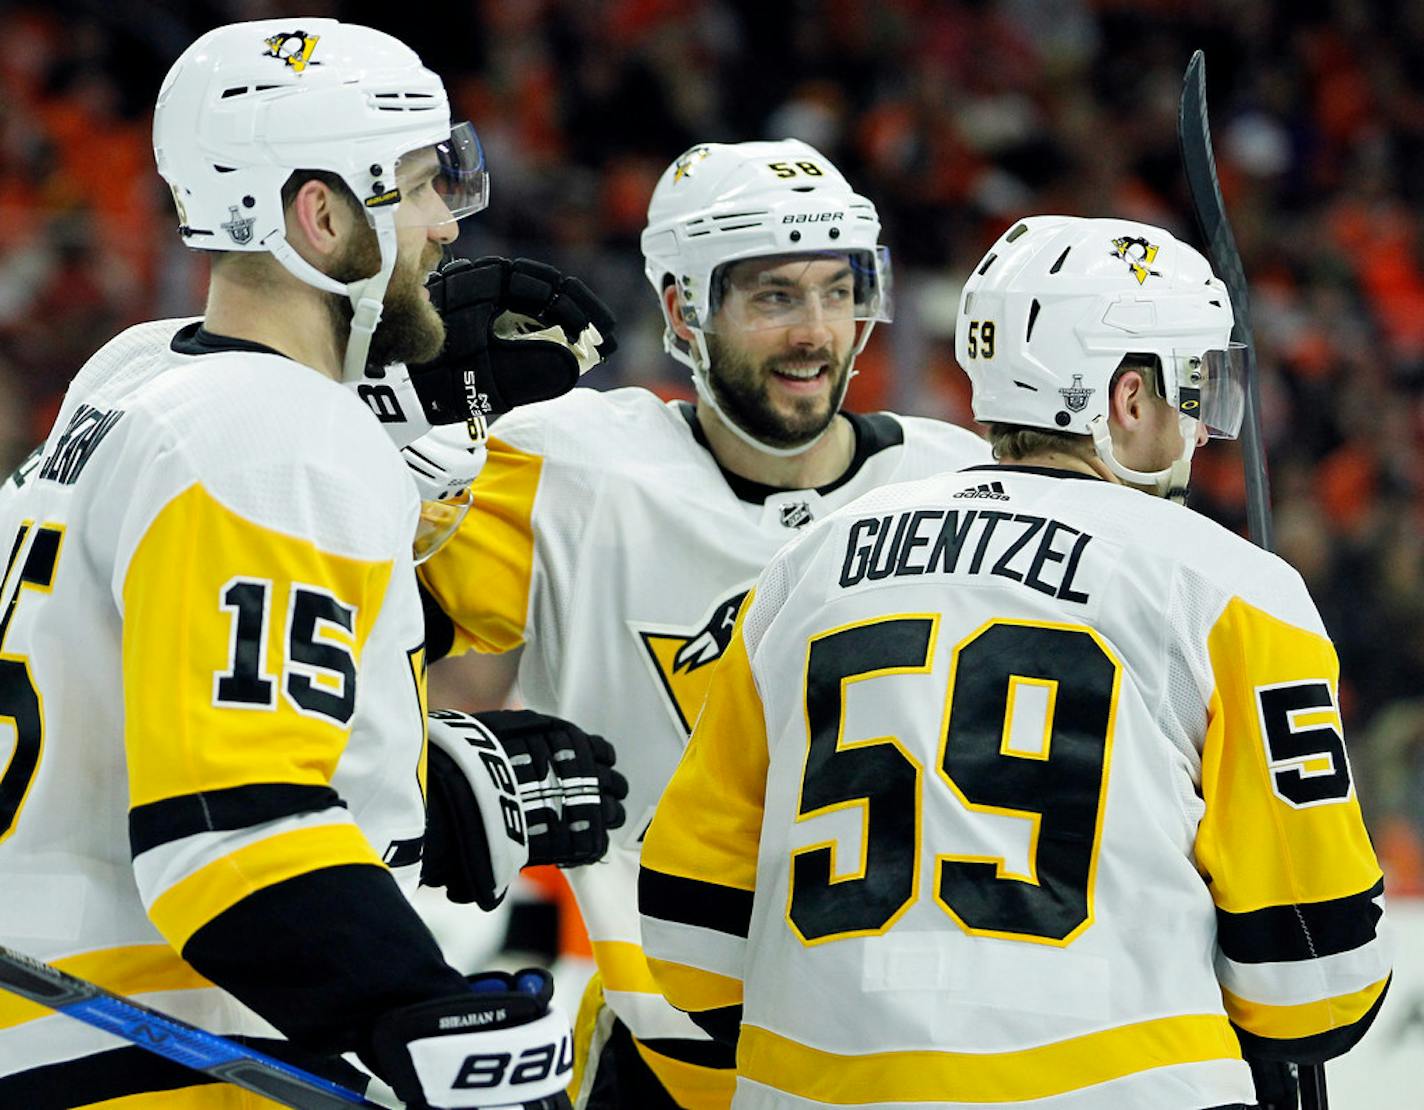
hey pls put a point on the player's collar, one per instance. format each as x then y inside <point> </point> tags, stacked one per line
<point>194,339</point>
<point>1046,471</point>
<point>874,432</point>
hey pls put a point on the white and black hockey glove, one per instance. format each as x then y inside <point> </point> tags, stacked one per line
<point>515,332</point>
<point>475,835</point>
<point>571,793</point>
<point>499,1046</point>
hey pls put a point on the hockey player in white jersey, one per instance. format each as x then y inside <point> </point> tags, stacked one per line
<point>614,536</point>
<point>216,777</point>
<point>1016,787</point>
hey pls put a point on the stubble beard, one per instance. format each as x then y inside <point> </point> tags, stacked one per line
<point>410,329</point>
<point>742,390</point>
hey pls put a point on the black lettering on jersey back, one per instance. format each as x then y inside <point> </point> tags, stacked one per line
<point>681,658</point>
<point>1020,547</point>
<point>77,444</point>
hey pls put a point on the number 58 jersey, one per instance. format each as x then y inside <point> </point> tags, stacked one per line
<point>1018,788</point>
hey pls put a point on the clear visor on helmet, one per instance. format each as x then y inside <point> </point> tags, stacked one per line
<point>1211,387</point>
<point>443,183</point>
<point>793,290</point>
<point>439,520</point>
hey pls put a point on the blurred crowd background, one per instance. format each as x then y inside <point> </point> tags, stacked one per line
<point>955,117</point>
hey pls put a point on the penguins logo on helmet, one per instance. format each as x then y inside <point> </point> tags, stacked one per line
<point>294,48</point>
<point>1139,255</point>
<point>685,163</point>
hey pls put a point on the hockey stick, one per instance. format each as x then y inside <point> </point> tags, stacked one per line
<point>223,1059</point>
<point>1199,164</point>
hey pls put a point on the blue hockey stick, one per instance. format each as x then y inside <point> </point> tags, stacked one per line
<point>175,1040</point>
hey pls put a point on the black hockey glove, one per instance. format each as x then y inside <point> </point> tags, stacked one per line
<point>515,332</point>
<point>475,838</point>
<point>499,1045</point>
<point>571,793</point>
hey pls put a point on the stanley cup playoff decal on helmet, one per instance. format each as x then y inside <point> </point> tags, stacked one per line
<point>1077,395</point>
<point>239,229</point>
<point>1139,255</point>
<point>682,659</point>
<point>294,48</point>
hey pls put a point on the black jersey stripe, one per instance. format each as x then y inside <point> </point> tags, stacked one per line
<point>1305,931</point>
<point>1309,1050</point>
<point>237,807</point>
<point>694,902</point>
<point>703,1054</point>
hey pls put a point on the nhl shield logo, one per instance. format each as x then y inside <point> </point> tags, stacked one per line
<point>1077,395</point>
<point>796,514</point>
<point>238,228</point>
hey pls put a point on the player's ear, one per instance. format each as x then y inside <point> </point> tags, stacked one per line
<point>674,312</point>
<point>318,221</point>
<point>1127,400</point>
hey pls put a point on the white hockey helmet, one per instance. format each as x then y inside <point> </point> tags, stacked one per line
<point>445,462</point>
<point>250,103</point>
<point>721,203</point>
<point>1048,315</point>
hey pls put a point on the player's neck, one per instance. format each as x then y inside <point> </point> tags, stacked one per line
<point>819,465</point>
<point>1062,460</point>
<point>288,315</point>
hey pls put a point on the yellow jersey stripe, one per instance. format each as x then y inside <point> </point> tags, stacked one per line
<point>481,576</point>
<point>188,905</point>
<point>987,1077</point>
<point>622,966</point>
<point>133,969</point>
<point>692,1086</point>
<point>1289,1023</point>
<point>209,1096</point>
<point>691,988</point>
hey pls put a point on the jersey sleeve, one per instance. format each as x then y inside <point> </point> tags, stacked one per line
<point>699,861</point>
<point>479,581</point>
<point>243,648</point>
<point>1298,891</point>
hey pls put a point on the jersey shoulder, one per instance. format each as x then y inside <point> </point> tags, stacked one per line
<point>932,446</point>
<point>587,426</point>
<point>275,442</point>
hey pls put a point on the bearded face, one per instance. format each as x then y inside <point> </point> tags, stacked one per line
<point>410,329</point>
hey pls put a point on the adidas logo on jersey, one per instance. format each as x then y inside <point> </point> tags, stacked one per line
<point>989,491</point>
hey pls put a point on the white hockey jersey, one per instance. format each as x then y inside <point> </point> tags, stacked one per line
<point>213,681</point>
<point>606,539</point>
<point>1012,787</point>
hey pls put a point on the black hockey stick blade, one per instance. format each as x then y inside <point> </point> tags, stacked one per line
<point>226,1060</point>
<point>1199,163</point>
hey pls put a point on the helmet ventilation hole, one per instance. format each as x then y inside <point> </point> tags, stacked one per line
<point>1032,319</point>
<point>1019,230</point>
<point>1062,258</point>
<point>984,269</point>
